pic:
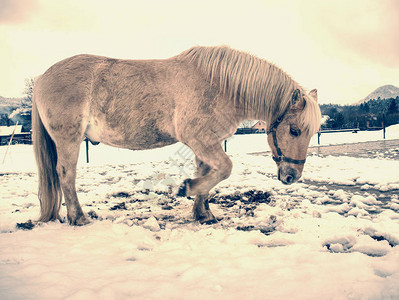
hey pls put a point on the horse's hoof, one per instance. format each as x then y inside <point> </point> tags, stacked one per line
<point>208,222</point>
<point>183,188</point>
<point>182,191</point>
<point>79,221</point>
<point>206,218</point>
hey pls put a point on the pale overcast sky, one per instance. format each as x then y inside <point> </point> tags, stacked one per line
<point>343,48</point>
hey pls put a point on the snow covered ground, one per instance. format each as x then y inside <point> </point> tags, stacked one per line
<point>333,235</point>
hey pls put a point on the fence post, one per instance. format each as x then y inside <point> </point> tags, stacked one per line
<point>383,125</point>
<point>225,145</point>
<point>87,150</point>
<point>9,143</point>
<point>318,137</point>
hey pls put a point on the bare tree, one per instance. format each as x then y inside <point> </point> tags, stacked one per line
<point>23,113</point>
<point>28,92</point>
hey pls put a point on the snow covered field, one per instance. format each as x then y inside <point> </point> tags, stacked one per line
<point>333,235</point>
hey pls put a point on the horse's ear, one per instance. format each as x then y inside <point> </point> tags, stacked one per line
<point>296,100</point>
<point>313,93</point>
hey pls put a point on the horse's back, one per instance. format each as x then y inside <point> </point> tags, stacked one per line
<point>124,103</point>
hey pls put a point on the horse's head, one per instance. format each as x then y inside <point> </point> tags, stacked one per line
<point>289,135</point>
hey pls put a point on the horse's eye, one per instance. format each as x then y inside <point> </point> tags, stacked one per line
<point>295,132</point>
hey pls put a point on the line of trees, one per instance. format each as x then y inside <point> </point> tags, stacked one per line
<point>368,115</point>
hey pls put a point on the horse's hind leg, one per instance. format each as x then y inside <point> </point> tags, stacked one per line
<point>68,154</point>
<point>213,166</point>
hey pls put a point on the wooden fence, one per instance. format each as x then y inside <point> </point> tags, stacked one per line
<point>353,130</point>
<point>18,138</point>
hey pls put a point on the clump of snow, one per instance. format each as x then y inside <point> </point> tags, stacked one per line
<point>363,202</point>
<point>152,224</point>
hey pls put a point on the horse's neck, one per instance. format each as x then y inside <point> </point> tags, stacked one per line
<point>265,105</point>
<point>244,113</point>
<point>247,110</point>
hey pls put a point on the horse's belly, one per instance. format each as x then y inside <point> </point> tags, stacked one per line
<point>130,137</point>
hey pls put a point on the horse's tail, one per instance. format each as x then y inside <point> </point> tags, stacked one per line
<point>50,194</point>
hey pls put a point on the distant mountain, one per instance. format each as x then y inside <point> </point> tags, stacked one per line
<point>383,92</point>
<point>10,101</point>
<point>8,105</point>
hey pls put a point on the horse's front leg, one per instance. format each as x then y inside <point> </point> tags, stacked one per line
<point>211,169</point>
<point>201,210</point>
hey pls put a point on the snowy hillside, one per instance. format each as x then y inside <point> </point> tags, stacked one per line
<point>333,235</point>
<point>383,92</point>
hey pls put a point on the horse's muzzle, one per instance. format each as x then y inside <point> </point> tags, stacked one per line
<point>288,175</point>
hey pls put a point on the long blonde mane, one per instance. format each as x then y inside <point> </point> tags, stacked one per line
<point>254,83</point>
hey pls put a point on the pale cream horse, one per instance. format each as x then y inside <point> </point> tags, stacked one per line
<point>198,98</point>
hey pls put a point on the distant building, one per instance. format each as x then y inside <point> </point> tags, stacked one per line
<point>259,127</point>
<point>19,137</point>
<point>249,127</point>
<point>8,130</point>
